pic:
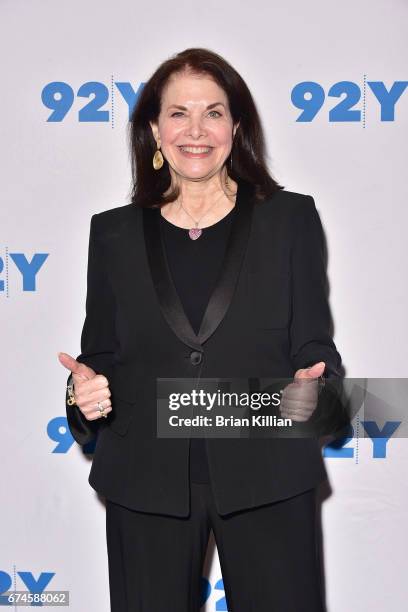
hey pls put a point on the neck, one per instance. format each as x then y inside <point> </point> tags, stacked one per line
<point>208,199</point>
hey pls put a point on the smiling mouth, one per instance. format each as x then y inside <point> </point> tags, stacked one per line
<point>195,150</point>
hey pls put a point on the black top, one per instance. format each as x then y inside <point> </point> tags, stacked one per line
<point>194,267</point>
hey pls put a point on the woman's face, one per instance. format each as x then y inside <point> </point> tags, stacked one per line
<point>194,114</point>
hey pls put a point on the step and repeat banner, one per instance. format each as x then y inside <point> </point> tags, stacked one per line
<point>330,84</point>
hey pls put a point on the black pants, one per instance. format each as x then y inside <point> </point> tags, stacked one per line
<point>268,556</point>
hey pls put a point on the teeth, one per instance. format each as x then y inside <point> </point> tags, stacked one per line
<point>195,149</point>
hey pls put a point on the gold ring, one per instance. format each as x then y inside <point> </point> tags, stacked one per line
<point>101,410</point>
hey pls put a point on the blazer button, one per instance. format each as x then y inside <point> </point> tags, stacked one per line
<point>196,357</point>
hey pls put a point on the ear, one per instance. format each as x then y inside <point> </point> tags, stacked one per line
<point>155,131</point>
<point>235,129</point>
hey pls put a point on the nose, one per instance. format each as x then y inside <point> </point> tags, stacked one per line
<point>195,127</point>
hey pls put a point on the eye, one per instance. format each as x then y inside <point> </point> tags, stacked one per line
<point>176,113</point>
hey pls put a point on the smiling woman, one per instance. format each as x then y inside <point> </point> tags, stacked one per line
<point>224,277</point>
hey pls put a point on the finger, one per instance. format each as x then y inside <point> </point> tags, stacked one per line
<point>83,371</point>
<point>295,407</point>
<point>97,387</point>
<point>305,412</point>
<point>298,406</point>
<point>298,401</point>
<point>92,412</point>
<point>92,398</point>
<point>297,417</point>
<point>302,388</point>
<point>293,411</point>
<point>313,371</point>
<point>303,403</point>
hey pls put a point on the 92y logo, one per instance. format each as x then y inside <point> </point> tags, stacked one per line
<point>59,97</point>
<point>310,97</point>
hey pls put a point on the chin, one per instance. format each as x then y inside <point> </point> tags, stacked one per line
<point>198,174</point>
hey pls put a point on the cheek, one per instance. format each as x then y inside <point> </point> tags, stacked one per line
<point>222,135</point>
<point>169,134</point>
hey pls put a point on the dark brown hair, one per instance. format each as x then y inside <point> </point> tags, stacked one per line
<point>248,148</point>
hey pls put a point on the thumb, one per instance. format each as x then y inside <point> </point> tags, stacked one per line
<point>76,367</point>
<point>313,371</point>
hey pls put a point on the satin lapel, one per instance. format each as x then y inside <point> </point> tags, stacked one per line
<point>168,297</point>
<point>221,297</point>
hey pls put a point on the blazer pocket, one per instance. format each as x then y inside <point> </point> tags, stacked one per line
<point>121,416</point>
<point>270,299</point>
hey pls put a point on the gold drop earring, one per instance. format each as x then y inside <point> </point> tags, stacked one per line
<point>158,160</point>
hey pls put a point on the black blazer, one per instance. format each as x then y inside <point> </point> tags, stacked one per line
<point>267,317</point>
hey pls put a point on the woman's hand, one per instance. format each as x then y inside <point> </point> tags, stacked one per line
<point>299,398</point>
<point>89,388</point>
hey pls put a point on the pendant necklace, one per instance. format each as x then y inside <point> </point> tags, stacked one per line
<point>195,232</point>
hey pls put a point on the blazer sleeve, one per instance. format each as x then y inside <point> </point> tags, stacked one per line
<point>98,332</point>
<point>310,325</point>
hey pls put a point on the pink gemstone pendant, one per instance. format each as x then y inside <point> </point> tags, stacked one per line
<point>194,233</point>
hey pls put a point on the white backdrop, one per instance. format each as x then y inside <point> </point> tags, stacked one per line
<point>56,174</point>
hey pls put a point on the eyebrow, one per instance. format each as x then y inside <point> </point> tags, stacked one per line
<point>185,108</point>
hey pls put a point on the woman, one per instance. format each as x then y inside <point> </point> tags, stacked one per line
<point>213,270</point>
